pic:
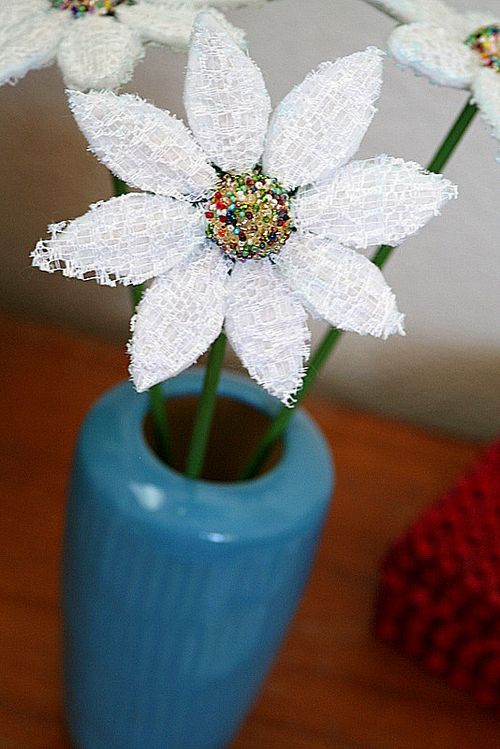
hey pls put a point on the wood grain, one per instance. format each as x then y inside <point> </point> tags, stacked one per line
<point>333,686</point>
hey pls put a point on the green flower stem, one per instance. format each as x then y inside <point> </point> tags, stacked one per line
<point>453,137</point>
<point>205,410</point>
<point>119,186</point>
<point>156,400</point>
<point>332,337</point>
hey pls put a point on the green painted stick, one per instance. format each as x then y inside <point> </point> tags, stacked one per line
<point>332,337</point>
<point>156,400</point>
<point>205,411</point>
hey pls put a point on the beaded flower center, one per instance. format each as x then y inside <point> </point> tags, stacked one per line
<point>98,7</point>
<point>486,42</point>
<point>248,216</point>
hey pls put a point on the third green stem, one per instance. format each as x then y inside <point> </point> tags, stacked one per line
<point>332,337</point>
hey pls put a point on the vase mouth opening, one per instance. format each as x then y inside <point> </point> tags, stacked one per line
<point>236,430</point>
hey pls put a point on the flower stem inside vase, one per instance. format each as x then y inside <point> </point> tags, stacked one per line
<point>236,429</point>
<point>205,410</point>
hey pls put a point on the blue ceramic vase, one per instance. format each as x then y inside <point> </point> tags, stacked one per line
<point>177,593</point>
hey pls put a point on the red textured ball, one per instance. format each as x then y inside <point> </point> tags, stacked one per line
<point>439,593</point>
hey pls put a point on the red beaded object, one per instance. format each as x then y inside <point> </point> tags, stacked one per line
<point>439,594</point>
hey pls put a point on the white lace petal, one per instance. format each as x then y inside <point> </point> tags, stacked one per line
<point>225,98</point>
<point>229,4</point>
<point>169,26</point>
<point>319,125</point>
<point>475,19</point>
<point>13,12</point>
<point>468,22</point>
<point>267,328</point>
<point>430,11</point>
<point>377,201</point>
<point>180,315</point>
<point>143,145</point>
<point>126,240</point>
<point>341,286</point>
<point>29,43</point>
<point>434,52</point>
<point>98,53</point>
<point>486,92</point>
<point>156,23</point>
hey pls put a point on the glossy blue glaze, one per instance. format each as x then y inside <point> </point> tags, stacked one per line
<point>177,593</point>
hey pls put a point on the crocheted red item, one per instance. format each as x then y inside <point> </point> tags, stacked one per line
<point>439,595</point>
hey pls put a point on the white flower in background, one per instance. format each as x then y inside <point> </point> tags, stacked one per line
<point>452,48</point>
<point>247,247</point>
<point>96,43</point>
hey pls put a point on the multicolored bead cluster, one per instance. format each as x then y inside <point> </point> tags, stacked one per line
<point>248,216</point>
<point>79,7</point>
<point>486,41</point>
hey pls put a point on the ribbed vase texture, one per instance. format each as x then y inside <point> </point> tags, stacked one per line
<point>177,593</point>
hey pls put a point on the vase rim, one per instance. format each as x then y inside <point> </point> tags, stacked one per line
<point>122,466</point>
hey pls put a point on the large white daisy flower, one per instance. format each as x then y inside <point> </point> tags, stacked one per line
<point>461,50</point>
<point>232,244</point>
<point>96,43</point>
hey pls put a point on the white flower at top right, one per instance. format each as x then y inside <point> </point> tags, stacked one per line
<point>451,48</point>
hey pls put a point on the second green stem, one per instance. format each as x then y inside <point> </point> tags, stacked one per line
<point>156,400</point>
<point>205,411</point>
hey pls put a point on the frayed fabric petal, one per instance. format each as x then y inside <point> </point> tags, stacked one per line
<point>225,98</point>
<point>435,52</point>
<point>143,145</point>
<point>486,92</point>
<point>319,125</point>
<point>29,43</point>
<point>341,286</point>
<point>475,19</point>
<point>429,11</point>
<point>98,53</point>
<point>377,201</point>
<point>13,12</point>
<point>153,24</point>
<point>125,240</point>
<point>229,4</point>
<point>179,317</point>
<point>267,328</point>
<point>173,28</point>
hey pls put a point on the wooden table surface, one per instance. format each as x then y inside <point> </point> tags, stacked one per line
<point>334,686</point>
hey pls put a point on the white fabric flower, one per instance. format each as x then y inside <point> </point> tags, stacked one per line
<point>244,247</point>
<point>96,43</point>
<point>461,50</point>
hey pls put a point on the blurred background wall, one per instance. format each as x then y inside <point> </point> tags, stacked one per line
<point>446,372</point>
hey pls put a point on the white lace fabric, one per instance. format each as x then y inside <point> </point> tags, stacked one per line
<point>145,146</point>
<point>231,136</point>
<point>262,303</point>
<point>128,239</point>
<point>340,286</point>
<point>299,148</point>
<point>96,51</point>
<point>179,317</point>
<point>431,41</point>
<point>376,201</point>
